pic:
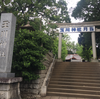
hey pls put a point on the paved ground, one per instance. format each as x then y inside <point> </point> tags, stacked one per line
<point>57,97</point>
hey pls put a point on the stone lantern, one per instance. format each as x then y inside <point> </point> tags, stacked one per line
<point>28,27</point>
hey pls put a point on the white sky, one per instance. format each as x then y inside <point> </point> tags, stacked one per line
<point>72,4</point>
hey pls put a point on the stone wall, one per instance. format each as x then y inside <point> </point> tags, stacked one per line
<point>30,90</point>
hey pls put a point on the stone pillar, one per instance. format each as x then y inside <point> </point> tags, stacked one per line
<point>59,47</point>
<point>7,34</point>
<point>93,45</point>
<point>9,84</point>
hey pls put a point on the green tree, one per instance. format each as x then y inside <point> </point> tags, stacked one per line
<point>64,51</point>
<point>85,41</point>
<point>28,53</point>
<point>79,49</point>
<point>87,53</point>
<point>89,11</point>
<point>84,52</point>
<point>71,47</point>
<point>24,10</point>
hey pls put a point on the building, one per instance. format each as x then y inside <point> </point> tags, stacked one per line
<point>73,58</point>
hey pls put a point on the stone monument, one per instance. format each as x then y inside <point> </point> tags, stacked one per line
<point>9,84</point>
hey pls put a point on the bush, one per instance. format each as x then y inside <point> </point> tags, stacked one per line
<point>28,53</point>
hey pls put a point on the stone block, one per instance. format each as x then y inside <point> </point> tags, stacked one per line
<point>47,59</point>
<point>35,86</point>
<point>94,60</point>
<point>7,75</point>
<point>7,34</point>
<point>30,86</point>
<point>9,88</point>
<point>30,91</point>
<point>45,63</point>
<point>10,80</point>
<point>12,94</point>
<point>42,72</point>
<point>50,54</point>
<point>29,96</point>
<point>59,60</point>
<point>43,91</point>
<point>5,87</point>
<point>26,86</point>
<point>42,75</point>
<point>47,68</point>
<point>37,81</point>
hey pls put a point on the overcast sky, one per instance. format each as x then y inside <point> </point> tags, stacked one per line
<point>71,5</point>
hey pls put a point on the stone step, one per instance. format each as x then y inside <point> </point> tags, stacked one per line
<point>75,80</point>
<point>89,68</point>
<point>73,87</point>
<point>74,95</point>
<point>76,74</point>
<point>77,70</point>
<point>78,65</point>
<point>88,72</point>
<point>76,83</point>
<point>74,91</point>
<point>76,77</point>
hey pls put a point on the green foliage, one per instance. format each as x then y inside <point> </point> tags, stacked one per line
<point>63,16</point>
<point>79,49</point>
<point>28,50</point>
<point>46,9</point>
<point>28,53</point>
<point>64,49</point>
<point>84,52</point>
<point>55,47</point>
<point>88,10</point>
<point>71,47</point>
<point>85,39</point>
<point>87,53</point>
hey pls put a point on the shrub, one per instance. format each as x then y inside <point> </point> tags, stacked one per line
<point>28,53</point>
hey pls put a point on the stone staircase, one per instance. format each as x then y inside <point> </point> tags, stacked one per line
<point>75,80</point>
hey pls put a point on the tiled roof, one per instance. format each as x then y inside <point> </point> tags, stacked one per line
<point>73,56</point>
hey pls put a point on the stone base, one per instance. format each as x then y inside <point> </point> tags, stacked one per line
<point>7,75</point>
<point>94,60</point>
<point>9,88</point>
<point>59,60</point>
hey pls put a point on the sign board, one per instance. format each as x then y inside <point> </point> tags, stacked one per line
<point>77,29</point>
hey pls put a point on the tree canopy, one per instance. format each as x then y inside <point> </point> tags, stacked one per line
<point>88,10</point>
<point>25,9</point>
<point>28,51</point>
